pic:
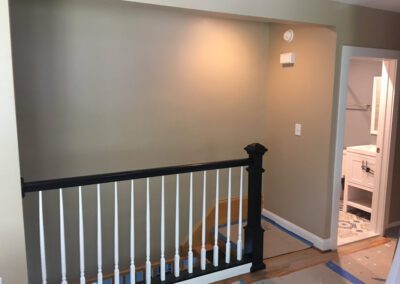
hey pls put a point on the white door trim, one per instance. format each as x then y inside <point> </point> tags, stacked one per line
<point>392,106</point>
<point>385,139</point>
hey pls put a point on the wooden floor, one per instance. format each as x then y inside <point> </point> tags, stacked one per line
<point>292,262</point>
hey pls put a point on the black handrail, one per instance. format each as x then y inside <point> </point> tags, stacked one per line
<point>128,175</point>
<point>253,248</point>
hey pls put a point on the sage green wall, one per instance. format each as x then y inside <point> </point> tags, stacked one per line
<point>356,26</point>
<point>104,86</point>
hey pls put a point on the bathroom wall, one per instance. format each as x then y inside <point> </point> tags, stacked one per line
<point>360,88</point>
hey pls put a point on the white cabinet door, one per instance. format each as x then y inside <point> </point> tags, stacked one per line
<point>354,173</point>
<point>357,172</point>
<point>369,177</point>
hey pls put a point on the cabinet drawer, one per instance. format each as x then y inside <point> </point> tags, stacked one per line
<point>355,173</point>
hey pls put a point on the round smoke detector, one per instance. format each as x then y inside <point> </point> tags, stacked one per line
<point>288,36</point>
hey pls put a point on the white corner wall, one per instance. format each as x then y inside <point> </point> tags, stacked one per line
<point>12,241</point>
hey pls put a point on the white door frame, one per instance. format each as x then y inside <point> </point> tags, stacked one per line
<point>389,136</point>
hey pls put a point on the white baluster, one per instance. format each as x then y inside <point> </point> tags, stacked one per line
<point>162,260</point>
<point>215,256</point>
<point>228,213</point>
<point>190,252</point>
<point>99,248</point>
<point>177,258</point>
<point>42,241</point>
<point>81,239</point>
<point>116,240</point>
<point>239,242</point>
<point>148,263</point>
<point>62,241</point>
<point>132,266</point>
<point>203,227</point>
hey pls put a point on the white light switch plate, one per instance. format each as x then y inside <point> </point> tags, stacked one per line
<point>297,129</point>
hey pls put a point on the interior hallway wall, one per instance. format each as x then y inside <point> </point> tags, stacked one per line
<point>355,26</point>
<point>296,177</point>
<point>360,89</point>
<point>12,244</point>
<point>104,86</point>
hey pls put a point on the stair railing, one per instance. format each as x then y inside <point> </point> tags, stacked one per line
<point>249,256</point>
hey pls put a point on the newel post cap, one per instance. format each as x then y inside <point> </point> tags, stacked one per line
<point>255,149</point>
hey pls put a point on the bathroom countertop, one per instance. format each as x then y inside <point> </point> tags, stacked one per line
<point>369,150</point>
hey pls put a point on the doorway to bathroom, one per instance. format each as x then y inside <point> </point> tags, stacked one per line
<point>366,131</point>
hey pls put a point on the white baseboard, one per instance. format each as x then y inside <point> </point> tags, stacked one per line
<point>220,275</point>
<point>319,243</point>
<point>393,224</point>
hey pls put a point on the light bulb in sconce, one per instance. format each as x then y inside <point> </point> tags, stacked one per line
<point>288,36</point>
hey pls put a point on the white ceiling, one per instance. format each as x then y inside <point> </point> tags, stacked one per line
<point>390,5</point>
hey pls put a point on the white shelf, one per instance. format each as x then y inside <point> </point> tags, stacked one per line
<point>360,187</point>
<point>362,204</point>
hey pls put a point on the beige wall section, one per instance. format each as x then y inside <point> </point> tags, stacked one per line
<point>12,242</point>
<point>227,93</point>
<point>108,85</point>
<point>354,25</point>
<point>297,177</point>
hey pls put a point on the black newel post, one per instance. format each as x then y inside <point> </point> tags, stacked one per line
<point>254,233</point>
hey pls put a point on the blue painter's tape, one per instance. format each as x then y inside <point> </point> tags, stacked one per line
<point>307,242</point>
<point>345,274</point>
<point>107,281</point>
<point>168,267</point>
<point>139,276</point>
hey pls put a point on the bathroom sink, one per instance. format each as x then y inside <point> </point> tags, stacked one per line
<point>363,149</point>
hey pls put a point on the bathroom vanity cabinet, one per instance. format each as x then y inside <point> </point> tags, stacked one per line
<point>359,188</point>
